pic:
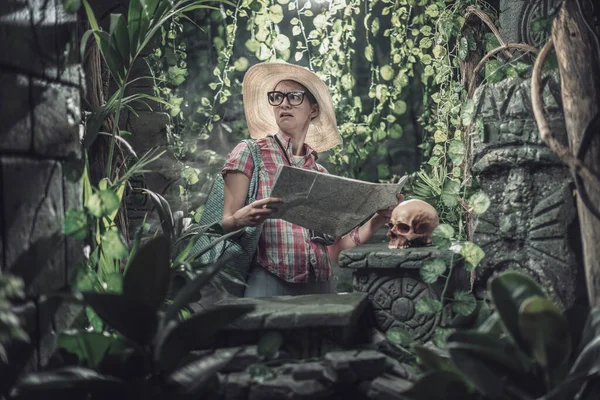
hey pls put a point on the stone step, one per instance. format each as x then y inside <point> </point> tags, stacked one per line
<point>311,325</point>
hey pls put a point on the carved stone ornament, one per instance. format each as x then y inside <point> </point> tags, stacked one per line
<point>531,224</point>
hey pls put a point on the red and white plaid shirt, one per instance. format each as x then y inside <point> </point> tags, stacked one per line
<point>285,249</point>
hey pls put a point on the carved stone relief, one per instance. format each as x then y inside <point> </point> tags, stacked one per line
<point>531,224</point>
<point>517,19</point>
<point>393,298</point>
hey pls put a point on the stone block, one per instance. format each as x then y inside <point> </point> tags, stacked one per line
<point>56,118</point>
<point>34,36</point>
<point>285,387</point>
<point>311,325</point>
<point>33,214</point>
<point>378,255</point>
<point>354,365</point>
<point>295,312</point>
<point>392,281</point>
<point>236,386</point>
<point>308,370</point>
<point>243,358</point>
<point>516,18</point>
<point>388,387</point>
<point>15,130</point>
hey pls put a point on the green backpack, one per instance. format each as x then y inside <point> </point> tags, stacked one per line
<point>241,247</point>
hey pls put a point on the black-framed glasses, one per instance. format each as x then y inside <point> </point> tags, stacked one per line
<point>295,97</point>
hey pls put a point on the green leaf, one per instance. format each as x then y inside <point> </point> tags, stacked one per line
<point>472,254</point>
<point>111,55</point>
<point>493,71</point>
<point>103,203</point>
<point>432,360</point>
<point>464,303</point>
<point>542,25</point>
<point>369,53</point>
<point>399,107</point>
<point>164,212</point>
<point>545,330</point>
<point>456,151</point>
<point>442,236</point>
<point>479,202</point>
<point>450,193</point>
<point>260,373</point>
<point>175,75</point>
<point>76,223</point>
<point>191,289</point>
<point>120,37</point>
<point>113,246</point>
<point>94,319</point>
<point>276,13</point>
<point>114,282</point>
<point>440,337</point>
<point>134,20</point>
<point>467,112</point>
<point>463,48</point>
<point>147,278</point>
<point>428,306</point>
<point>509,290</point>
<point>432,269</point>
<point>269,344</point>
<point>399,336</point>
<point>71,6</point>
<point>386,72</point>
<point>89,347</point>
<point>127,315</point>
<point>177,339</point>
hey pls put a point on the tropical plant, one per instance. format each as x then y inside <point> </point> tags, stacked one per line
<point>149,356</point>
<point>527,349</point>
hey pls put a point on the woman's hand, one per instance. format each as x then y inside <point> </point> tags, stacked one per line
<point>385,214</point>
<point>255,213</point>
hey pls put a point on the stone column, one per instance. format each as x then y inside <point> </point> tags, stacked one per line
<point>532,223</point>
<point>40,85</point>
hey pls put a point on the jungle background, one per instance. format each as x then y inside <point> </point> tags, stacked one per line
<point>402,75</point>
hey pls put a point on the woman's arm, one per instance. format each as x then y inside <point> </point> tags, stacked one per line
<point>236,215</point>
<point>361,235</point>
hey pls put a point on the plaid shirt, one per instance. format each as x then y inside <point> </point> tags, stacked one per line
<point>285,249</point>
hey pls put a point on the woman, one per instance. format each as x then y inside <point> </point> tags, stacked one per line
<point>289,111</point>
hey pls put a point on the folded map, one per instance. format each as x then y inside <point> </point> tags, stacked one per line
<point>327,203</point>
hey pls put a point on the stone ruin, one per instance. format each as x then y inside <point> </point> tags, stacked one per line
<point>532,223</point>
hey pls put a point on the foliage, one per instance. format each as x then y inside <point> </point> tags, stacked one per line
<point>150,356</point>
<point>120,48</point>
<point>376,58</point>
<point>527,349</point>
<point>11,288</point>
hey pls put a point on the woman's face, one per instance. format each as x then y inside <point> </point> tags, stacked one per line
<point>293,119</point>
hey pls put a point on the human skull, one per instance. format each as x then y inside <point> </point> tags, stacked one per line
<point>411,224</point>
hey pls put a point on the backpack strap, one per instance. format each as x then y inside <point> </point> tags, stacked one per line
<point>258,166</point>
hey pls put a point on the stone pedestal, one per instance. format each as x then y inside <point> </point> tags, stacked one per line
<point>392,281</point>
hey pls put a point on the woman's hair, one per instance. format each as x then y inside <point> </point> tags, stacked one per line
<point>311,98</point>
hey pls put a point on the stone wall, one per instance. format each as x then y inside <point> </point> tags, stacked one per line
<point>40,88</point>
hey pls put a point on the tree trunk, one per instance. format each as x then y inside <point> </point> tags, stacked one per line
<point>577,51</point>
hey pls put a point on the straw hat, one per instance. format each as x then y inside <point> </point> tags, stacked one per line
<point>261,78</point>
